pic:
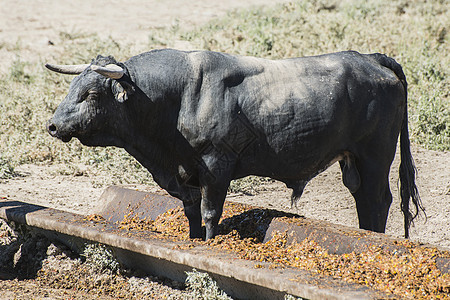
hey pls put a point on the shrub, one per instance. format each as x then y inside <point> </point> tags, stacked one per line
<point>202,286</point>
<point>100,257</point>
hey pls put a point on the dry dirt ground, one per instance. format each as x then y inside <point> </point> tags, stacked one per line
<point>32,24</point>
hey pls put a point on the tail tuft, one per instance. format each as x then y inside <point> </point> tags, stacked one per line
<point>408,172</point>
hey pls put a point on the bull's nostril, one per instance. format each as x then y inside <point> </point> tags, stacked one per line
<point>51,129</point>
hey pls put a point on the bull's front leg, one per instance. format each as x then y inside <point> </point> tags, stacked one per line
<point>213,198</point>
<point>215,169</point>
<point>193,214</point>
<point>215,176</point>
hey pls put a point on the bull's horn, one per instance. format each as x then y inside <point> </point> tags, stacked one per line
<point>112,71</point>
<point>67,69</point>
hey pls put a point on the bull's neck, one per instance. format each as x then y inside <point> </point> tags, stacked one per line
<point>152,137</point>
<point>153,157</point>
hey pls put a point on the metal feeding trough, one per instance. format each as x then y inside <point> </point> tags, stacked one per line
<point>239,278</point>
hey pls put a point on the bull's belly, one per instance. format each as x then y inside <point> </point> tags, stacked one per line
<point>289,165</point>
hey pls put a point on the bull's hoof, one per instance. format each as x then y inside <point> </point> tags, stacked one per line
<point>197,233</point>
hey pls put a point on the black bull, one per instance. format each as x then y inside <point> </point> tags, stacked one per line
<point>197,120</point>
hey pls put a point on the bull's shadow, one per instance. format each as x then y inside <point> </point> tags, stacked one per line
<point>22,257</point>
<point>252,223</point>
<point>17,211</point>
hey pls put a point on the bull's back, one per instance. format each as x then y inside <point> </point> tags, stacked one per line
<point>307,111</point>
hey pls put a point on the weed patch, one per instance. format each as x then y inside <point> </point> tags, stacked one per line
<point>249,185</point>
<point>100,257</point>
<point>6,169</point>
<point>202,286</point>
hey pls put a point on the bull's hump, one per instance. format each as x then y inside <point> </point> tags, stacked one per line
<point>223,65</point>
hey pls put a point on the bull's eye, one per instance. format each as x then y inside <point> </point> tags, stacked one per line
<point>88,95</point>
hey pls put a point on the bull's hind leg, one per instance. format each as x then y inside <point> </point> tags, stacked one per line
<point>373,196</point>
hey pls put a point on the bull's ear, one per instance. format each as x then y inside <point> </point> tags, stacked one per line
<point>122,90</point>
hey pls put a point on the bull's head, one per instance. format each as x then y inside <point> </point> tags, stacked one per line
<point>89,111</point>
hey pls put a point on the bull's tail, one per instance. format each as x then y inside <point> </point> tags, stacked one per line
<point>408,171</point>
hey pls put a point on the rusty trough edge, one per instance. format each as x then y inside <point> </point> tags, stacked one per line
<point>264,283</point>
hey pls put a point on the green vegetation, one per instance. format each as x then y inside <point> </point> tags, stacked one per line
<point>202,286</point>
<point>249,185</point>
<point>414,32</point>
<point>6,169</point>
<point>100,257</point>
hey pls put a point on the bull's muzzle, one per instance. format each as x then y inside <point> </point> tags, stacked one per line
<point>53,131</point>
